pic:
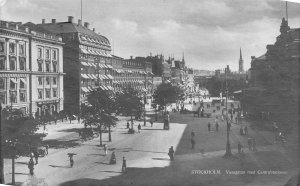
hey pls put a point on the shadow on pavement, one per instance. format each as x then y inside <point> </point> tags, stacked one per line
<point>166,159</point>
<point>95,154</point>
<point>20,173</point>
<point>59,166</point>
<point>62,144</point>
<point>24,163</point>
<point>102,163</point>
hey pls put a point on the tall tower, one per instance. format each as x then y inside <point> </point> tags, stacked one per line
<point>241,62</point>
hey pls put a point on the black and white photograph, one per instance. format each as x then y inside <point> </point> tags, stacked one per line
<point>150,92</point>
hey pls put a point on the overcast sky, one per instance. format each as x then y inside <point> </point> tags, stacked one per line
<point>209,32</point>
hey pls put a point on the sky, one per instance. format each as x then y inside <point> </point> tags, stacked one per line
<point>210,33</point>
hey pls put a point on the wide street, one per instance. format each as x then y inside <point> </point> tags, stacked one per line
<point>147,159</point>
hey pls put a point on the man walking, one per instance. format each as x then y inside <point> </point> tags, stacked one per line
<point>31,166</point>
<point>193,142</point>
<point>36,156</point>
<point>217,126</point>
<point>105,149</point>
<point>240,148</point>
<point>124,165</point>
<point>208,126</point>
<point>139,127</point>
<point>171,153</point>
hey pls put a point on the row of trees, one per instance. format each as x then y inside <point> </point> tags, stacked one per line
<point>103,107</point>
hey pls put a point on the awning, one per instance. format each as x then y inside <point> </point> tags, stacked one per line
<point>84,63</point>
<point>237,92</point>
<point>150,73</point>
<point>92,64</point>
<point>90,88</point>
<point>94,76</point>
<point>110,87</point>
<point>105,77</point>
<point>84,89</point>
<point>14,81</point>
<point>84,51</point>
<point>90,77</point>
<point>109,66</point>
<point>23,80</point>
<point>110,76</point>
<point>144,90</point>
<point>149,81</point>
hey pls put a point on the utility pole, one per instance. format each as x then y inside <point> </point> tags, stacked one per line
<point>1,157</point>
<point>228,153</point>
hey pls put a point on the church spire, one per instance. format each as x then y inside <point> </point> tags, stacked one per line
<point>241,62</point>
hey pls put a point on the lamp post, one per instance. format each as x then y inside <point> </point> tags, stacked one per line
<point>228,148</point>
<point>145,99</point>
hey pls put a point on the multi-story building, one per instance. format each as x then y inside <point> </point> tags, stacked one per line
<point>138,74</point>
<point>31,77</point>
<point>15,69</point>
<point>47,71</point>
<point>87,60</point>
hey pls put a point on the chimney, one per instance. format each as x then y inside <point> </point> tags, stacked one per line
<point>79,22</point>
<point>17,27</point>
<point>130,57</point>
<point>43,21</point>
<point>53,21</point>
<point>252,57</point>
<point>70,19</point>
<point>94,29</point>
<point>86,24</point>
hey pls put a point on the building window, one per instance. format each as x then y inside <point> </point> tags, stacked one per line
<point>2,63</point>
<point>2,83</point>
<point>54,64</point>
<point>54,55</point>
<point>12,48</point>
<point>55,93</point>
<point>21,50</point>
<point>47,80</point>
<point>40,80</point>
<point>40,53</point>
<point>47,67</point>
<point>3,97</point>
<point>40,93</point>
<point>2,46</point>
<point>13,83</point>
<point>40,66</point>
<point>22,83</point>
<point>12,63</point>
<point>54,80</point>
<point>22,96</point>
<point>47,54</point>
<point>13,96</point>
<point>47,93</point>
<point>22,63</point>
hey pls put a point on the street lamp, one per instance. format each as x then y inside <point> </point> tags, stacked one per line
<point>145,99</point>
<point>228,148</point>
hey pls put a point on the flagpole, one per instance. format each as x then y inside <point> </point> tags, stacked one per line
<point>286,11</point>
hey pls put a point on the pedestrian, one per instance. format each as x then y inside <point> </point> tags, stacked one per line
<point>171,153</point>
<point>208,126</point>
<point>71,159</point>
<point>105,149</point>
<point>254,145</point>
<point>139,127</point>
<point>151,122</point>
<point>36,156</point>
<point>124,165</point>
<point>55,120</point>
<point>246,130</point>
<point>113,159</point>
<point>127,124</point>
<point>192,133</point>
<point>47,147</point>
<point>44,127</point>
<point>240,148</point>
<point>193,142</point>
<point>231,117</point>
<point>31,166</point>
<point>241,131</point>
<point>250,143</point>
<point>217,126</point>
<point>78,118</point>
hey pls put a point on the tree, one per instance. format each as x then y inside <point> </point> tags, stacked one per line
<point>166,94</point>
<point>129,102</point>
<point>99,112</point>
<point>18,134</point>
